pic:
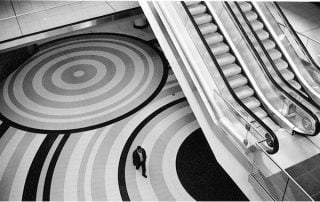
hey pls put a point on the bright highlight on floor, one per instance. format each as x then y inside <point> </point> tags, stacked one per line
<point>73,114</point>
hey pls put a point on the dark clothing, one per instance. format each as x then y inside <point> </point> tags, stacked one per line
<point>137,162</point>
<point>143,166</point>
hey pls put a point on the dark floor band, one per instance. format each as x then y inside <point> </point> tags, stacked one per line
<point>52,165</point>
<point>4,127</point>
<point>125,151</point>
<point>32,180</point>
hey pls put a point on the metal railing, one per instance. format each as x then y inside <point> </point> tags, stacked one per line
<point>270,134</point>
<point>271,177</point>
<point>263,65</point>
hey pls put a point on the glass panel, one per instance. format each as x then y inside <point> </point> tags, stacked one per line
<point>301,115</point>
<point>279,184</point>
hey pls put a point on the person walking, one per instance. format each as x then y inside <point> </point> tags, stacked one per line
<point>139,159</point>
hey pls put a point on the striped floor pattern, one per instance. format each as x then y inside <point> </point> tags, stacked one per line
<point>96,163</point>
<point>88,165</point>
<point>81,82</point>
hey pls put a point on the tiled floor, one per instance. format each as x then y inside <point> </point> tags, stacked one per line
<point>95,164</point>
<point>34,16</point>
<point>304,17</point>
<point>307,174</point>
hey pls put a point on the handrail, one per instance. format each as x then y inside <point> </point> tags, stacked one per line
<point>241,115</point>
<point>294,33</point>
<point>287,174</point>
<point>273,140</point>
<point>317,123</point>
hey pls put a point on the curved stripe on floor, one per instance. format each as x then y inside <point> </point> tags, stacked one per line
<point>82,82</point>
<point>200,173</point>
<point>87,168</point>
<point>92,165</point>
<point>160,137</point>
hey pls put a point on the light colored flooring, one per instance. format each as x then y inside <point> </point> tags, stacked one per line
<point>87,168</point>
<point>89,164</point>
<point>80,82</point>
<point>26,17</point>
<point>305,19</point>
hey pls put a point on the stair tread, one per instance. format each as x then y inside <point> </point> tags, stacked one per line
<point>219,48</point>
<point>237,80</point>
<point>251,102</point>
<point>259,112</point>
<point>256,25</point>
<point>268,44</point>
<point>189,3</point>
<point>243,91</point>
<point>262,34</point>
<point>287,74</point>
<point>251,15</point>
<point>225,59</point>
<point>281,64</point>
<point>213,38</point>
<point>231,69</point>
<point>208,28</point>
<point>202,18</point>
<point>274,54</point>
<point>295,84</point>
<point>245,6</point>
<point>196,9</point>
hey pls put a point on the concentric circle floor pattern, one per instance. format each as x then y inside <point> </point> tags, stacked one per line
<point>103,77</point>
<point>82,81</point>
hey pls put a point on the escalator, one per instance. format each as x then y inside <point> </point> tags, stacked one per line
<point>213,74</point>
<point>272,60</point>
<point>235,78</point>
<point>270,45</point>
<point>231,71</point>
<point>306,68</point>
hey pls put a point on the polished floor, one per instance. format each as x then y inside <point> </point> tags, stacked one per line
<point>75,111</point>
<point>20,18</point>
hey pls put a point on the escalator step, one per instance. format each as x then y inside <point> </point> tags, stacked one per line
<point>251,16</point>
<point>203,19</point>
<point>262,34</point>
<point>225,59</point>
<point>197,9</point>
<point>231,70</point>
<point>281,64</point>
<point>213,38</point>
<point>287,74</point>
<point>268,44</point>
<point>251,102</point>
<point>272,125</point>
<point>275,54</point>
<point>237,81</point>
<point>259,112</point>
<point>208,28</point>
<point>245,6</point>
<point>189,3</point>
<point>256,25</point>
<point>220,48</point>
<point>295,84</point>
<point>243,92</point>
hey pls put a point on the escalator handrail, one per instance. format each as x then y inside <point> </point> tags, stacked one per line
<point>275,142</point>
<point>317,123</point>
<point>297,38</point>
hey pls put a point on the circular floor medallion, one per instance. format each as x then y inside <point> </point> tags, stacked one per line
<point>82,81</point>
